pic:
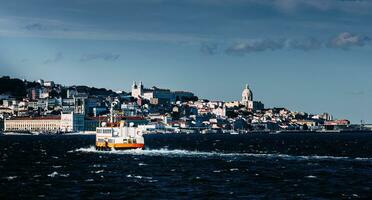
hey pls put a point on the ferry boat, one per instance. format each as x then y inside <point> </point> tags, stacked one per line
<point>119,137</point>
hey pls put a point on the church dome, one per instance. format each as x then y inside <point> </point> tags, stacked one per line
<point>247,94</point>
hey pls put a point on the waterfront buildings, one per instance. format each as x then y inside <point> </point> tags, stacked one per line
<point>72,122</point>
<point>33,124</point>
<point>336,124</point>
<point>69,122</point>
<point>49,107</point>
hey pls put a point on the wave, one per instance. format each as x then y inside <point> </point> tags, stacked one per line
<point>14,134</point>
<point>54,174</point>
<point>188,153</point>
<point>9,178</point>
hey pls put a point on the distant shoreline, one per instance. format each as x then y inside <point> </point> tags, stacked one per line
<point>186,133</point>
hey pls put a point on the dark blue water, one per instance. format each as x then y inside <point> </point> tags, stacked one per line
<point>285,166</point>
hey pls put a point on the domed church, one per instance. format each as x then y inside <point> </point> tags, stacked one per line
<point>247,97</point>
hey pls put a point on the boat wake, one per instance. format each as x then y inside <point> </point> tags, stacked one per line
<point>187,153</point>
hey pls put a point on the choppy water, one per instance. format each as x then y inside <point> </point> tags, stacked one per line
<point>306,166</point>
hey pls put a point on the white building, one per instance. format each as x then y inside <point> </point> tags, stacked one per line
<point>220,111</point>
<point>155,94</point>
<point>52,124</point>
<point>71,92</point>
<point>33,124</point>
<point>247,97</point>
<point>49,83</point>
<point>247,100</point>
<point>72,122</point>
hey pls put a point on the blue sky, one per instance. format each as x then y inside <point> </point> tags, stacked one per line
<point>306,55</point>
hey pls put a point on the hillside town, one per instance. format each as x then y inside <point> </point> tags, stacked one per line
<point>47,107</point>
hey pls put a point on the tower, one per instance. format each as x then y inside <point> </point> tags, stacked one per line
<point>137,89</point>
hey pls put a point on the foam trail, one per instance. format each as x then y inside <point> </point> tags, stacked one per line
<point>187,153</point>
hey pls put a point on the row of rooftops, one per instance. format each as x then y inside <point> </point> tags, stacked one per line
<point>56,117</point>
<point>50,117</point>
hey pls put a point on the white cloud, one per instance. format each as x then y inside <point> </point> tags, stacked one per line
<point>344,40</point>
<point>347,40</point>
<point>241,48</point>
<point>56,29</point>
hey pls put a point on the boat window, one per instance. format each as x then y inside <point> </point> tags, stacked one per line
<point>111,141</point>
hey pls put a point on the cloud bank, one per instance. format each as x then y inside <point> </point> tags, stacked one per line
<point>348,40</point>
<point>344,40</point>
<point>241,48</point>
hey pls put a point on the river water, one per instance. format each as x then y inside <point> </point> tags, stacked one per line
<point>259,166</point>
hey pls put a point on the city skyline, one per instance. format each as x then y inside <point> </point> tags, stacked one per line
<point>311,56</point>
<point>149,88</point>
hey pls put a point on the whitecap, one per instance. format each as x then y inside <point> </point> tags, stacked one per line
<point>139,177</point>
<point>65,175</point>
<point>187,153</point>
<point>234,169</point>
<point>311,177</point>
<point>9,178</point>
<point>363,159</point>
<point>142,164</point>
<point>53,174</point>
<point>134,176</point>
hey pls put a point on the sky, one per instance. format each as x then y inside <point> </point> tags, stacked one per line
<point>306,55</point>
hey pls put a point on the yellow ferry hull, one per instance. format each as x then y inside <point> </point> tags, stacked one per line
<point>123,146</point>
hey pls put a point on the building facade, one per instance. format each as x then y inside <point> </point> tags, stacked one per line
<point>80,103</point>
<point>158,95</point>
<point>72,122</point>
<point>49,124</point>
<point>69,122</point>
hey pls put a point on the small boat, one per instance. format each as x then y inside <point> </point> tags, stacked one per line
<point>120,137</point>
